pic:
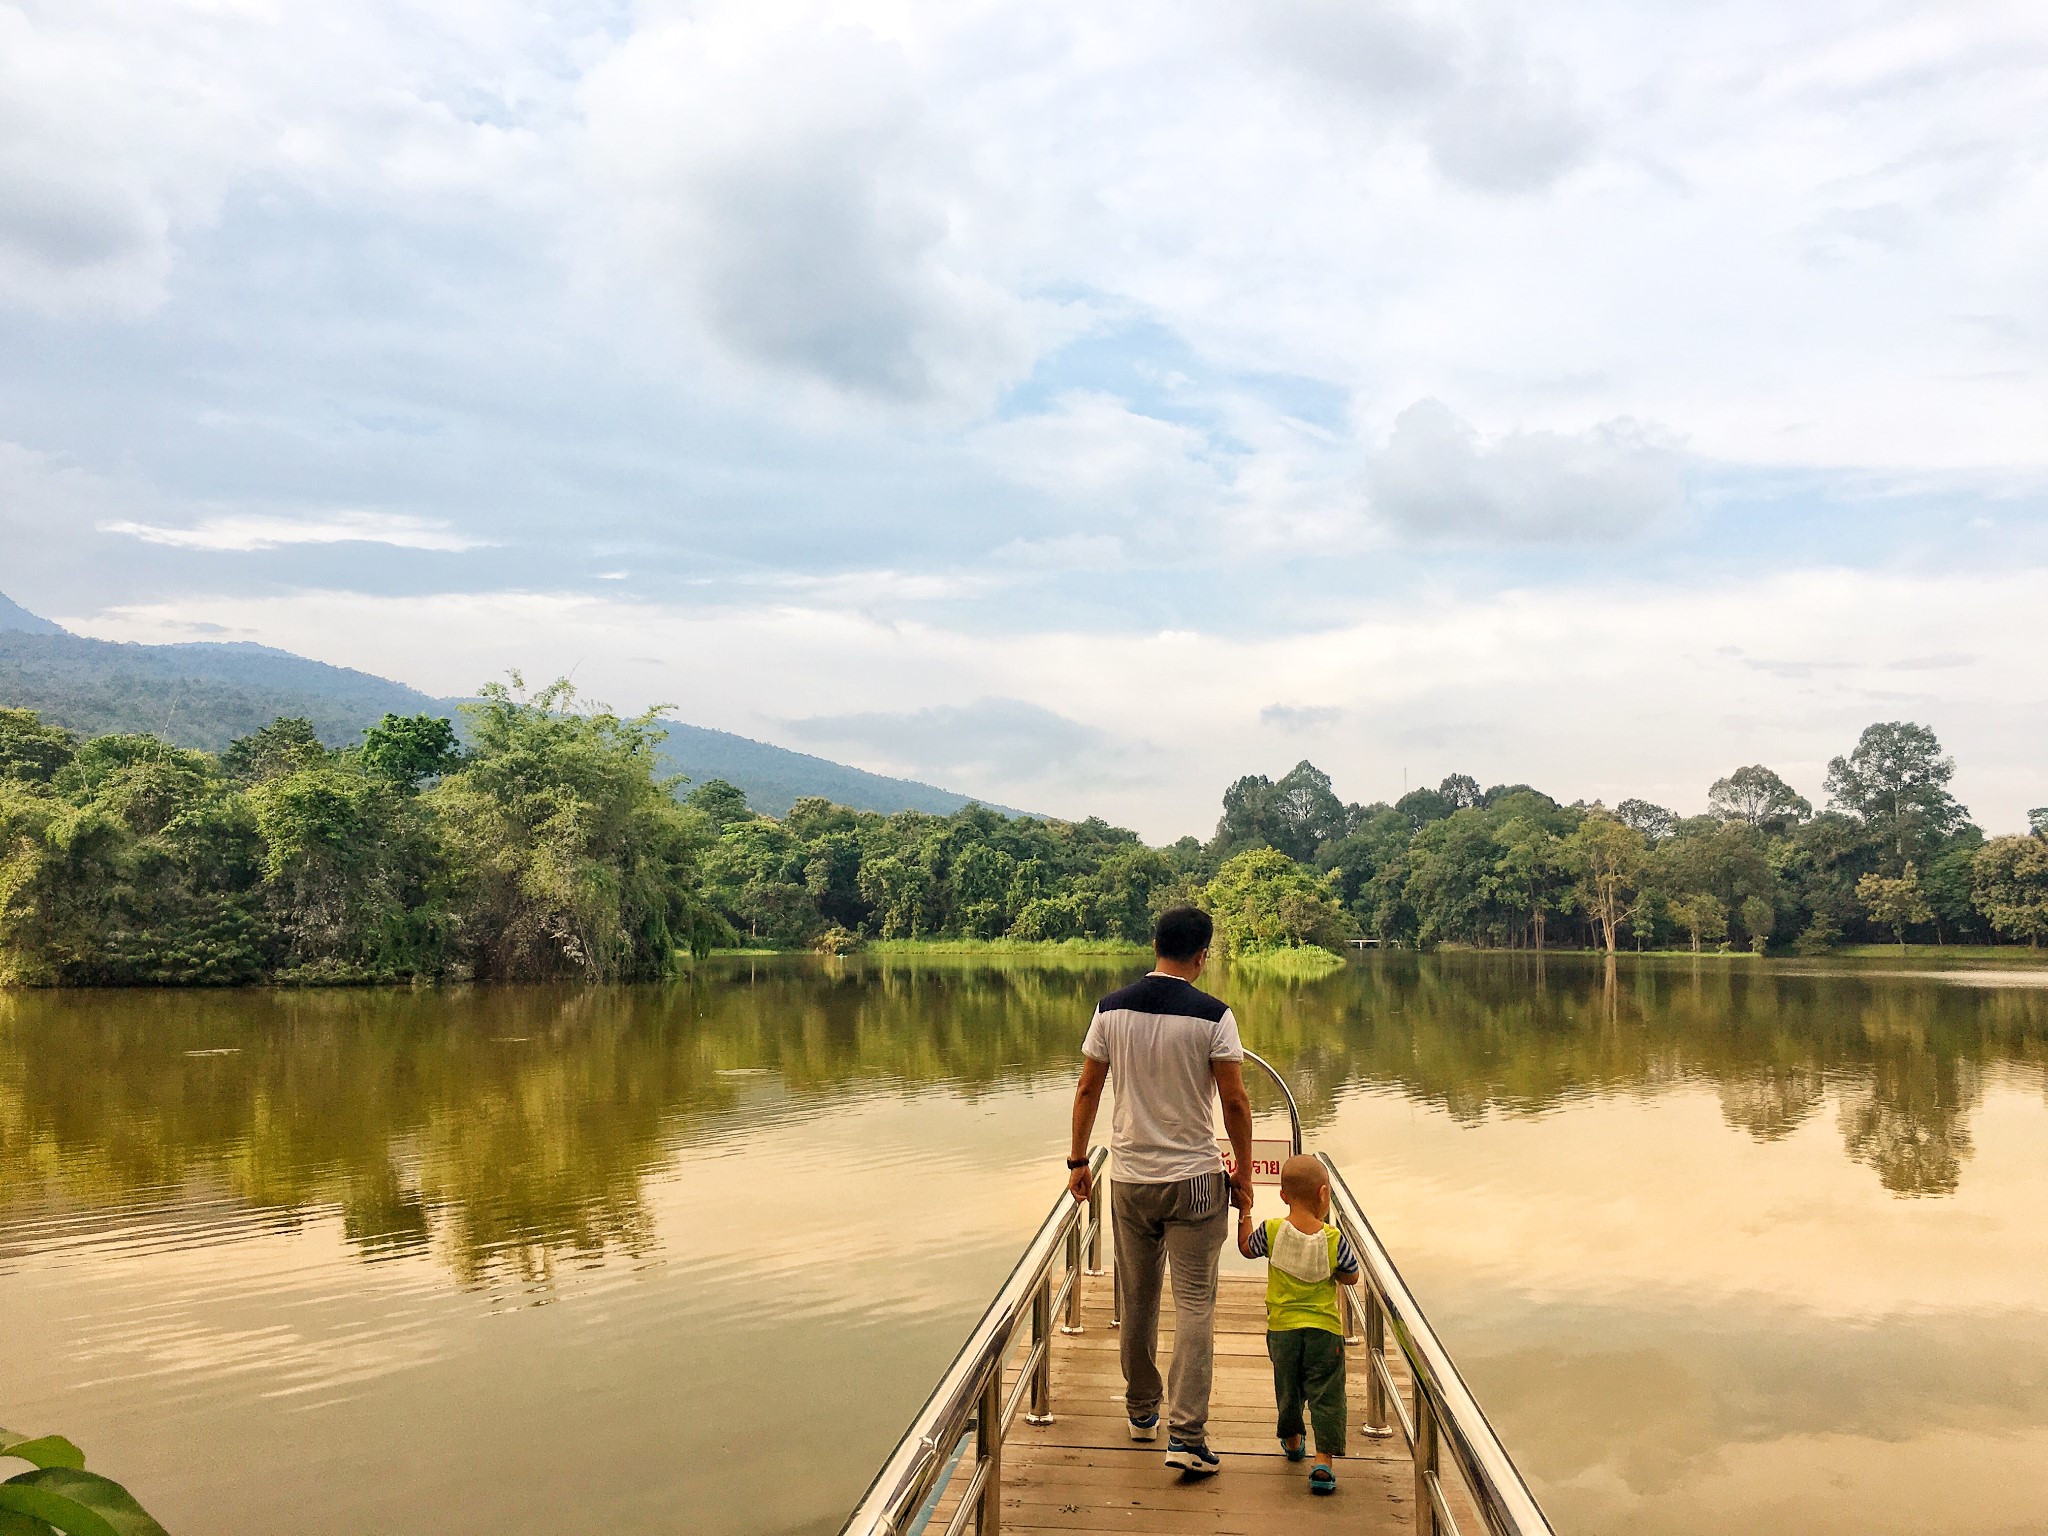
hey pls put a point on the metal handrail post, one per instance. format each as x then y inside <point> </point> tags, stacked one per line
<point>1071,1323</point>
<point>1040,1411</point>
<point>1425,1465</point>
<point>1375,1360</point>
<point>988,1453</point>
<point>1096,1190</point>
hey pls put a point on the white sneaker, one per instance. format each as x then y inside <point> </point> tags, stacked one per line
<point>1146,1428</point>
<point>1196,1460</point>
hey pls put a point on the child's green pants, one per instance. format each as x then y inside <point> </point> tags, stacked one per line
<point>1308,1368</point>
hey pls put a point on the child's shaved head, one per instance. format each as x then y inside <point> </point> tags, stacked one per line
<point>1303,1180</point>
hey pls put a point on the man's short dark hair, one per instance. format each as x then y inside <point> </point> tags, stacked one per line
<point>1183,933</point>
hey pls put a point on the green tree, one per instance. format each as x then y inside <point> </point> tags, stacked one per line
<point>1701,914</point>
<point>1453,874</point>
<point>408,750</point>
<point>284,746</point>
<point>1653,821</point>
<point>2011,886</point>
<point>1895,902</point>
<point>1261,899</point>
<point>1949,886</point>
<point>31,751</point>
<point>1758,919</point>
<point>1297,814</point>
<point>570,857</point>
<point>1759,797</point>
<point>1531,875</point>
<point>1896,780</point>
<point>722,802</point>
<point>1607,859</point>
<point>981,888</point>
<point>351,874</point>
<point>899,891</point>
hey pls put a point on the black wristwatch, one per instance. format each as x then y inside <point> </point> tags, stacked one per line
<point>1077,1162</point>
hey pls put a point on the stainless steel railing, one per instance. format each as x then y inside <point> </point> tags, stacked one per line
<point>1442,1411</point>
<point>970,1400</point>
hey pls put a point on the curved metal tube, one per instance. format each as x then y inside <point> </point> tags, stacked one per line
<point>1449,1408</point>
<point>1293,1109</point>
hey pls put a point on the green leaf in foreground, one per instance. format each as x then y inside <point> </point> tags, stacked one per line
<point>77,1503</point>
<point>43,1450</point>
<point>14,1523</point>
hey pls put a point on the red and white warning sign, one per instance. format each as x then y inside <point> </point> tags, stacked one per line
<point>1267,1156</point>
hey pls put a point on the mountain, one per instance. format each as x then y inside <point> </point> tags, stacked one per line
<point>206,693</point>
<point>773,777</point>
<point>15,619</point>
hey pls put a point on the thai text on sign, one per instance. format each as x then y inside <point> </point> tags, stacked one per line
<point>1267,1156</point>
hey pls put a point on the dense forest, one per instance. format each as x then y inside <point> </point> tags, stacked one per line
<point>542,841</point>
<point>1893,857</point>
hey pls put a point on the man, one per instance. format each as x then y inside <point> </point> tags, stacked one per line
<point>1174,1053</point>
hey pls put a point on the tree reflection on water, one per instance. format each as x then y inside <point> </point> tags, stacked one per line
<point>512,1130</point>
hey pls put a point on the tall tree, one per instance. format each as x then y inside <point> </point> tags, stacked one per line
<point>1896,780</point>
<point>1758,796</point>
<point>1653,821</point>
<point>1460,791</point>
<point>1297,814</point>
<point>1607,859</point>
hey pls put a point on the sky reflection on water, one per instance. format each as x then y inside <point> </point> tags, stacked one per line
<point>1717,1244</point>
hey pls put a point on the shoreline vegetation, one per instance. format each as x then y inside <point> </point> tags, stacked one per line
<point>539,842</point>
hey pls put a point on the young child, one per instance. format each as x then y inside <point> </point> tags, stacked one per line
<point>1306,1260</point>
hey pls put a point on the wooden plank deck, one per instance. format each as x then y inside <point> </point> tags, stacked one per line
<point>1083,1473</point>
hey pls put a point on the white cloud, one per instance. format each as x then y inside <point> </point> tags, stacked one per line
<point>821,241</point>
<point>243,534</point>
<point>1437,479</point>
<point>1492,117</point>
<point>1093,449</point>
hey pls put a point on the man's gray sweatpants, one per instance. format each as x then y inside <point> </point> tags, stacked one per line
<point>1180,1226</point>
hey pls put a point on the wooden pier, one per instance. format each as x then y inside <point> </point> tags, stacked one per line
<point>1083,1472</point>
<point>1026,1430</point>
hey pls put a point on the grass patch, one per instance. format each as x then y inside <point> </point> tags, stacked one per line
<point>1684,954</point>
<point>1305,962</point>
<point>2019,952</point>
<point>1122,949</point>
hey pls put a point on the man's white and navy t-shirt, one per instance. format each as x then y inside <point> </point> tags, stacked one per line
<point>1159,1036</point>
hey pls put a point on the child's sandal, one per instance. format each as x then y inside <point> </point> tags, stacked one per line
<point>1297,1451</point>
<point>1322,1480</point>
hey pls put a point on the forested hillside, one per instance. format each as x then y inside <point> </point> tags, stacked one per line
<point>207,693</point>
<point>203,694</point>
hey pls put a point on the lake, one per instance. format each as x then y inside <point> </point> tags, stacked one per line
<point>1721,1245</point>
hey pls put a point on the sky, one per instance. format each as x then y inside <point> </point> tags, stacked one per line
<point>1075,405</point>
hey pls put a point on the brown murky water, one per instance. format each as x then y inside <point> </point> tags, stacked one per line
<point>1734,1246</point>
